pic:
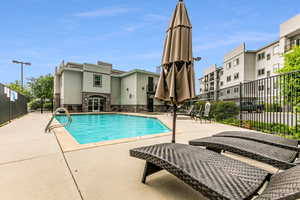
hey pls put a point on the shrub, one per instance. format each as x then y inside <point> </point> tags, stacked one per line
<point>231,121</point>
<point>224,110</point>
<point>273,107</point>
<point>34,104</point>
<point>37,104</point>
<point>198,104</point>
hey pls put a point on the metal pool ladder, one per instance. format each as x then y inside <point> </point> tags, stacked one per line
<point>49,127</point>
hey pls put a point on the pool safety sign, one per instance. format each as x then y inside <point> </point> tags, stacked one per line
<point>12,95</point>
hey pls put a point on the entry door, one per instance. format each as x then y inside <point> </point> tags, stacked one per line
<point>96,104</point>
<point>150,104</point>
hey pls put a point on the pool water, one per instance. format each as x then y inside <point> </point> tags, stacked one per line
<point>96,128</point>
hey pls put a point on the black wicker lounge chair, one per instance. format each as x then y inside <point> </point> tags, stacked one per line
<point>273,155</point>
<point>216,176</point>
<point>263,138</point>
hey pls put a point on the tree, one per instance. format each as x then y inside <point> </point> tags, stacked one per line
<point>17,87</point>
<point>290,83</point>
<point>42,88</point>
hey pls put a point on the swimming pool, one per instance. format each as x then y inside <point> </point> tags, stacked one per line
<point>92,128</point>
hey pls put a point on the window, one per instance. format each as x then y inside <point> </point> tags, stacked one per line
<point>221,83</point>
<point>228,91</point>
<point>228,65</point>
<point>261,72</point>
<point>268,56</point>
<point>236,90</point>
<point>276,50</point>
<point>212,76</point>
<point>97,80</point>
<point>228,78</point>
<point>275,68</point>
<point>206,78</point>
<point>150,87</point>
<point>236,62</point>
<point>261,56</point>
<point>297,42</point>
<point>236,76</point>
<point>268,73</point>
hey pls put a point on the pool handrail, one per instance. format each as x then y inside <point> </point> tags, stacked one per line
<point>49,127</point>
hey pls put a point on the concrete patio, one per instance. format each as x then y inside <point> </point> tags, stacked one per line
<point>32,165</point>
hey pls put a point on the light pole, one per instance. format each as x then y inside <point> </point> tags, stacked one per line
<point>22,65</point>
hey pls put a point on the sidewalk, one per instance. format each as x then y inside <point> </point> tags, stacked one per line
<point>32,166</point>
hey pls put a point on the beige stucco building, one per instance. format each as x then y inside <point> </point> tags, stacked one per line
<point>241,65</point>
<point>98,87</point>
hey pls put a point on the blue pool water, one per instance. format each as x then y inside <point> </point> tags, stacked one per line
<point>96,128</point>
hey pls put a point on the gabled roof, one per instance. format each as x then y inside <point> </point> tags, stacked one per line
<point>135,71</point>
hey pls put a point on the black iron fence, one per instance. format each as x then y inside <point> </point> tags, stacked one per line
<point>12,104</point>
<point>270,104</point>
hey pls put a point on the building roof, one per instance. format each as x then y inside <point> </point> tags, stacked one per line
<point>268,45</point>
<point>114,72</point>
<point>135,71</point>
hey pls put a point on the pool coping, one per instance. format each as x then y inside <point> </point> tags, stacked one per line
<point>68,143</point>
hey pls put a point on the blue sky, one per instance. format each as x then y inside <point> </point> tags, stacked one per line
<point>128,34</point>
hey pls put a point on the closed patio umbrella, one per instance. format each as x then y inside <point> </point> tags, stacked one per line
<point>177,80</point>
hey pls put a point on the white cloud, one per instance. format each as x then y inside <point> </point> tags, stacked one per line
<point>114,11</point>
<point>133,28</point>
<point>156,17</point>
<point>237,38</point>
<point>149,55</point>
<point>148,20</point>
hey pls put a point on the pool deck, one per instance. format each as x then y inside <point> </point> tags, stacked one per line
<point>34,167</point>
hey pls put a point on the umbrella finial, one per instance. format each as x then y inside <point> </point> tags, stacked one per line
<point>180,0</point>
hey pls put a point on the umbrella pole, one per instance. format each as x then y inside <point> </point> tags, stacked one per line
<point>174,122</point>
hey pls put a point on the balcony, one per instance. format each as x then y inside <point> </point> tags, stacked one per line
<point>290,44</point>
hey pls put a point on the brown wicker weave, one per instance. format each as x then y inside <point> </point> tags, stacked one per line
<point>283,186</point>
<point>273,155</point>
<point>214,175</point>
<point>263,138</point>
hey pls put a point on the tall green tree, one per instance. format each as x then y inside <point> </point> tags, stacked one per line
<point>290,83</point>
<point>42,87</point>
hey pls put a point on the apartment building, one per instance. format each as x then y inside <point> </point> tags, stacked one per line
<point>209,83</point>
<point>98,87</point>
<point>241,65</point>
<point>289,34</point>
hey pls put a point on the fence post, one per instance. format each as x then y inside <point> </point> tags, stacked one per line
<point>241,100</point>
<point>9,107</point>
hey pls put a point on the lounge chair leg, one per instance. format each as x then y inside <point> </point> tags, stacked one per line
<point>149,169</point>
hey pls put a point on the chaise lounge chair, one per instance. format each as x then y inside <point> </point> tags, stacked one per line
<point>205,115</point>
<point>273,155</point>
<point>217,176</point>
<point>263,138</point>
<point>188,112</point>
